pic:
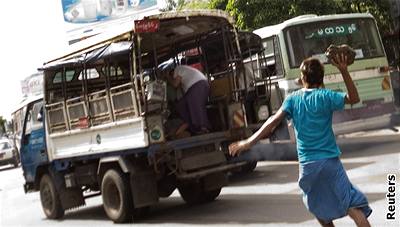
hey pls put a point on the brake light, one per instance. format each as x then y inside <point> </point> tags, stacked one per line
<point>386,83</point>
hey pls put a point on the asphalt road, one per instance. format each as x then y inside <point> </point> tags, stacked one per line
<point>269,196</point>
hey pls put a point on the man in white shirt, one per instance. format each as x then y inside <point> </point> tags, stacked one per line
<point>192,106</point>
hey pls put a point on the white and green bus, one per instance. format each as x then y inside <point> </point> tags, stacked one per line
<point>289,43</point>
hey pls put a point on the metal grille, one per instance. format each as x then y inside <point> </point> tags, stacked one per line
<point>56,117</point>
<point>99,108</point>
<point>76,110</point>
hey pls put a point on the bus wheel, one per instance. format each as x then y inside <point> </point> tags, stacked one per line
<point>50,199</point>
<point>117,200</point>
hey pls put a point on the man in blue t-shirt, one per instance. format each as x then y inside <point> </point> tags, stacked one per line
<point>327,192</point>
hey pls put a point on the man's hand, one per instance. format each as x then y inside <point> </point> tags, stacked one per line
<point>340,61</point>
<point>237,147</point>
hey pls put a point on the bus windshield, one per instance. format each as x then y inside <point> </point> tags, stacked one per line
<point>312,39</point>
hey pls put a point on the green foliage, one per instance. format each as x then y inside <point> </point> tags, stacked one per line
<point>171,5</point>
<point>194,4</point>
<point>259,13</point>
<point>380,9</point>
<point>218,4</point>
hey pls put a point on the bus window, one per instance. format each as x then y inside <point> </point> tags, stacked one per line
<point>273,55</point>
<point>313,39</point>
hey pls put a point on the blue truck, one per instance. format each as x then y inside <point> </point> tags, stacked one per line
<point>104,123</point>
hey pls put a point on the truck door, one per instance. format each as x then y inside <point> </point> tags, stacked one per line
<point>33,148</point>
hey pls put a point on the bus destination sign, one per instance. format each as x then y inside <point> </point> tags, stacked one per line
<point>338,30</point>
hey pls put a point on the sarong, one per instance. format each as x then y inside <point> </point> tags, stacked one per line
<point>327,191</point>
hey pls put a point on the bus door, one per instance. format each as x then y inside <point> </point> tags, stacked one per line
<point>33,147</point>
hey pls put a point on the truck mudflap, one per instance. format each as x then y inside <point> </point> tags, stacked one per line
<point>208,171</point>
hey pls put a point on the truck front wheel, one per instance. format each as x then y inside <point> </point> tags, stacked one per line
<point>50,198</point>
<point>117,199</point>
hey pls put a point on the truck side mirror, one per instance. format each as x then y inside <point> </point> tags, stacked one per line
<point>39,117</point>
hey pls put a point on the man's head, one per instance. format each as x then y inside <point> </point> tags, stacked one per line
<point>312,73</point>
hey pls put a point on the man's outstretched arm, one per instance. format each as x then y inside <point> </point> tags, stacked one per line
<point>265,131</point>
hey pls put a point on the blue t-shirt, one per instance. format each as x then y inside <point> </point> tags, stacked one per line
<point>311,111</point>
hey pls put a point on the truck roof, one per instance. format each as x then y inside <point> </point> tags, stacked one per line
<point>172,25</point>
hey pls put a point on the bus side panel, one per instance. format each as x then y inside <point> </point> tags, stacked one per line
<point>128,134</point>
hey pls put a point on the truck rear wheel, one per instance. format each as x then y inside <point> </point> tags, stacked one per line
<point>194,193</point>
<point>50,199</point>
<point>117,199</point>
<point>249,167</point>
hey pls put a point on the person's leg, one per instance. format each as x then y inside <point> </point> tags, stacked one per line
<point>330,224</point>
<point>183,112</point>
<point>196,98</point>
<point>182,128</point>
<point>359,218</point>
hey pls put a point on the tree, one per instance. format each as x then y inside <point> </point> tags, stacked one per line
<point>171,5</point>
<point>218,4</point>
<point>260,13</point>
<point>196,4</point>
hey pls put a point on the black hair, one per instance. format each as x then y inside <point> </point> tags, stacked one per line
<point>313,70</point>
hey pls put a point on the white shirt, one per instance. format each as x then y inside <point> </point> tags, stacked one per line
<point>189,76</point>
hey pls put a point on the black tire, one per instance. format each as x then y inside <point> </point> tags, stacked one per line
<point>249,167</point>
<point>193,193</point>
<point>210,196</point>
<point>16,162</point>
<point>117,199</point>
<point>50,198</point>
<point>166,186</point>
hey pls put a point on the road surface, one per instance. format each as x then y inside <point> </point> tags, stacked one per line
<point>267,197</point>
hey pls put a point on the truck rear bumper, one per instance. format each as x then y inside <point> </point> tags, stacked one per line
<point>202,173</point>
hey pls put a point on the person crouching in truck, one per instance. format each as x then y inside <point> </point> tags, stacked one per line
<point>327,191</point>
<point>192,106</point>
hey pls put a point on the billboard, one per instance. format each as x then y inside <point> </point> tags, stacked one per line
<point>32,85</point>
<point>86,18</point>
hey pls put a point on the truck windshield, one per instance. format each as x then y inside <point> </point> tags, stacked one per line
<point>312,39</point>
<point>4,146</point>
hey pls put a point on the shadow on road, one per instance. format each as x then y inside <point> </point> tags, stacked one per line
<point>233,208</point>
<point>7,168</point>
<point>282,173</point>
<point>227,209</point>
<point>87,213</point>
